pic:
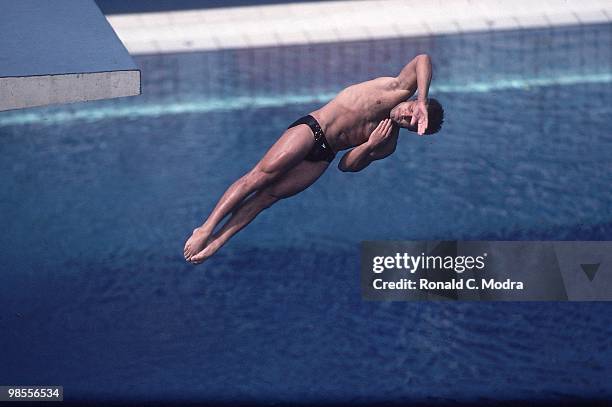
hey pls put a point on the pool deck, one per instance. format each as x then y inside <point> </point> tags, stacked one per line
<point>334,21</point>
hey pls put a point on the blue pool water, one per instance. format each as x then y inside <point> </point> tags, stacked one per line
<point>98,198</point>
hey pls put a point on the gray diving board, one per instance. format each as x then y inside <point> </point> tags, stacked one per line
<point>60,51</point>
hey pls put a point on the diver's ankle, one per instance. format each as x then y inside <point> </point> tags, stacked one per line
<point>205,229</point>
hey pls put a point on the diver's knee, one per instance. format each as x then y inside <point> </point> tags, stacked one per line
<point>256,178</point>
<point>273,165</point>
<point>268,198</point>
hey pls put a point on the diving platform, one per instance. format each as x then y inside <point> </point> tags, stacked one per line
<point>61,51</point>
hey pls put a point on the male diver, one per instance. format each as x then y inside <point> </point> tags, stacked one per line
<point>365,117</point>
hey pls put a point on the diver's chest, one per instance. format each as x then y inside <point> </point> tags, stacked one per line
<point>361,134</point>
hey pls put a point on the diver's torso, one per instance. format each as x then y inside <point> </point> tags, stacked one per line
<point>349,119</point>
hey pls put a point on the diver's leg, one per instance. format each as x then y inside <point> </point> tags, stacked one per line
<point>288,151</point>
<point>296,180</point>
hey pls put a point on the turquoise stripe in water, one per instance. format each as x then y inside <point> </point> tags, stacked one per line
<point>136,109</point>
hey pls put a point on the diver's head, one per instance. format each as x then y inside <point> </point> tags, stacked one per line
<point>402,114</point>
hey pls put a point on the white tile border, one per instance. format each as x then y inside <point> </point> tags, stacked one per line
<point>304,23</point>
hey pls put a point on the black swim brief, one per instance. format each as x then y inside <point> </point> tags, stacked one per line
<point>321,151</point>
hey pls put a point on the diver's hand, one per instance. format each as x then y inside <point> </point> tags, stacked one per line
<point>419,116</point>
<point>381,133</point>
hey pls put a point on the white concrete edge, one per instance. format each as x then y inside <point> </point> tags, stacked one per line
<point>337,21</point>
<point>29,91</point>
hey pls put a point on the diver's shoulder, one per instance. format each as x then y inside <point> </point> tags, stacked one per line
<point>386,83</point>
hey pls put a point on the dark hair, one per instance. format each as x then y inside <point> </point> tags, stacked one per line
<point>435,116</point>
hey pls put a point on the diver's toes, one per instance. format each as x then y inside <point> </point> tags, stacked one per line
<point>199,257</point>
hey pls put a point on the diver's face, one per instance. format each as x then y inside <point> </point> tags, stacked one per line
<point>402,114</point>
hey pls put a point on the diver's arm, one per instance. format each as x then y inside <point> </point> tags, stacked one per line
<point>356,159</point>
<point>380,144</point>
<point>416,76</point>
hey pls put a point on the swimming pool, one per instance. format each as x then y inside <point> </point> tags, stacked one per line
<point>98,199</point>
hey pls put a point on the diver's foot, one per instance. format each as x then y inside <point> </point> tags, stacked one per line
<point>210,249</point>
<point>196,242</point>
